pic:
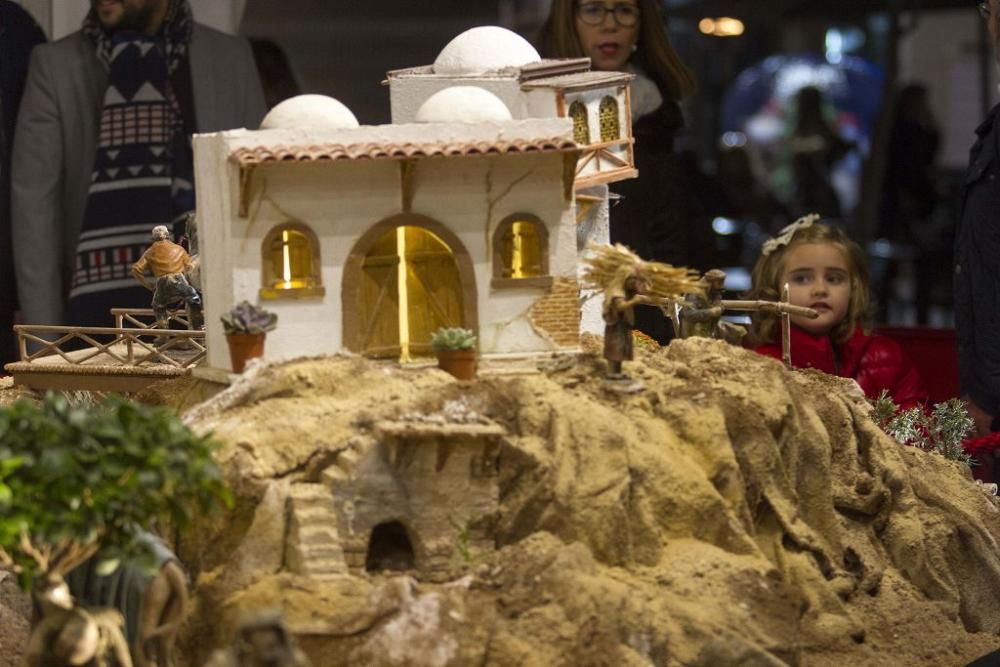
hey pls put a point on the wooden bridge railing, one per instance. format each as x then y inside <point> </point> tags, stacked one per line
<point>125,317</point>
<point>144,345</point>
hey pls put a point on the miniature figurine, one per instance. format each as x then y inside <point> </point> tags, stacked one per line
<point>628,281</point>
<point>72,635</point>
<point>700,313</point>
<point>262,640</point>
<point>193,272</point>
<point>152,603</point>
<point>168,262</point>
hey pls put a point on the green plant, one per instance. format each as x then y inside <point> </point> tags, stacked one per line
<point>246,318</point>
<point>453,338</point>
<point>462,539</point>
<point>76,482</point>
<point>941,431</point>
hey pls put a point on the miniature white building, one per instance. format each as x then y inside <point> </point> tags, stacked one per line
<point>506,65</point>
<point>463,213</point>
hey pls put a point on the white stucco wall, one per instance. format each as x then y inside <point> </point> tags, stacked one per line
<point>408,93</point>
<point>541,103</point>
<point>342,200</point>
<point>594,227</point>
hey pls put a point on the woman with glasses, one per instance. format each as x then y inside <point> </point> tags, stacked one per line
<point>655,215</point>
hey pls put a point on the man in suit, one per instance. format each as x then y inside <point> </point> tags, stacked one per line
<point>102,152</point>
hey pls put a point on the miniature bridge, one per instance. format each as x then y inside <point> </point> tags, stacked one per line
<point>124,358</point>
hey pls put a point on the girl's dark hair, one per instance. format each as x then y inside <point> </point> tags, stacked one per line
<point>767,274</point>
<point>654,54</point>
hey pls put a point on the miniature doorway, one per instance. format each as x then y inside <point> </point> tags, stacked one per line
<point>389,548</point>
<point>405,278</point>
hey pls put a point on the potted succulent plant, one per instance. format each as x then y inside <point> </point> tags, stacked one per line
<point>456,351</point>
<point>246,326</point>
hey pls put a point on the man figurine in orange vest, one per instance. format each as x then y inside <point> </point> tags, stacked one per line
<point>168,262</point>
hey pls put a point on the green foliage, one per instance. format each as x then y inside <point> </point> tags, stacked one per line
<point>246,318</point>
<point>462,539</point>
<point>73,478</point>
<point>453,338</point>
<point>941,431</point>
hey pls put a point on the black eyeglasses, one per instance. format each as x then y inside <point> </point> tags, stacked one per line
<point>593,13</point>
<point>984,9</point>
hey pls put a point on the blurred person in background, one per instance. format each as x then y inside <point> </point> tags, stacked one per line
<point>815,147</point>
<point>19,34</point>
<point>276,75</point>
<point>910,193</point>
<point>656,216</point>
<point>977,265</point>
<point>103,153</point>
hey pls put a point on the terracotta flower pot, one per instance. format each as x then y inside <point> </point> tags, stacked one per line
<point>460,363</point>
<point>243,347</point>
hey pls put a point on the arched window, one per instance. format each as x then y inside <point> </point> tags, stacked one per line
<point>520,251</point>
<point>581,128</point>
<point>610,127</point>
<point>290,264</point>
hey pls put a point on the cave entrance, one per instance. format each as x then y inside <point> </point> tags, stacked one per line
<point>389,548</point>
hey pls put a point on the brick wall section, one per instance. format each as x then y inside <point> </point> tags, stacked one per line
<point>556,316</point>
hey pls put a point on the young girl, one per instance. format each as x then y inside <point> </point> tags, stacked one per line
<point>827,271</point>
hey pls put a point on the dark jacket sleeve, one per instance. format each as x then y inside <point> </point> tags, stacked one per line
<point>977,273</point>
<point>36,205</point>
<point>20,35</point>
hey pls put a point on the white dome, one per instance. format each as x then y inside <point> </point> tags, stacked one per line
<point>462,104</point>
<point>309,112</point>
<point>485,49</point>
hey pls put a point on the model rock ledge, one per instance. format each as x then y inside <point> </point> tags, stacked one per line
<point>731,512</point>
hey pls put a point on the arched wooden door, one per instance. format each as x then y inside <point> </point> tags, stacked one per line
<point>410,286</point>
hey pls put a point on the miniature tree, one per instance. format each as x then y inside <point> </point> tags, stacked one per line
<point>80,482</point>
<point>940,431</point>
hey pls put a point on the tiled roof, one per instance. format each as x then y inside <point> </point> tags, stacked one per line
<point>388,151</point>
<point>578,80</point>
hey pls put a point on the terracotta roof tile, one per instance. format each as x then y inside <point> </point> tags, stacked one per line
<point>382,151</point>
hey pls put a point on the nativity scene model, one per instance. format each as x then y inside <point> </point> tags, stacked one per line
<point>462,213</point>
<point>717,510</point>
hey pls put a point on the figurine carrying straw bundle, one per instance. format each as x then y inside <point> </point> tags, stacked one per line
<point>627,281</point>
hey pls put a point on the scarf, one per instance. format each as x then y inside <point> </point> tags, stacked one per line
<point>143,169</point>
<point>645,95</point>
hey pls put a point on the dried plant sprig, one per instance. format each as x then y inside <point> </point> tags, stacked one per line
<point>609,266</point>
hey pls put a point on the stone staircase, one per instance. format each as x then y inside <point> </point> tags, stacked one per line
<point>313,544</point>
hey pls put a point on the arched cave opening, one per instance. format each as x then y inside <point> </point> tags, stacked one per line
<point>389,548</point>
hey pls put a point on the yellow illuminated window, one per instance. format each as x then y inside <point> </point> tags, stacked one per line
<point>610,127</point>
<point>291,263</point>
<point>521,250</point>
<point>581,129</point>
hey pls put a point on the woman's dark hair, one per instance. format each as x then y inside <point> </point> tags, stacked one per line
<point>655,56</point>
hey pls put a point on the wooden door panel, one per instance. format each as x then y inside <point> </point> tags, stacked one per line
<point>434,288</point>
<point>380,304</point>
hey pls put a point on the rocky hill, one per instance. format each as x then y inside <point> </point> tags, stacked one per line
<point>721,511</point>
<point>718,511</point>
